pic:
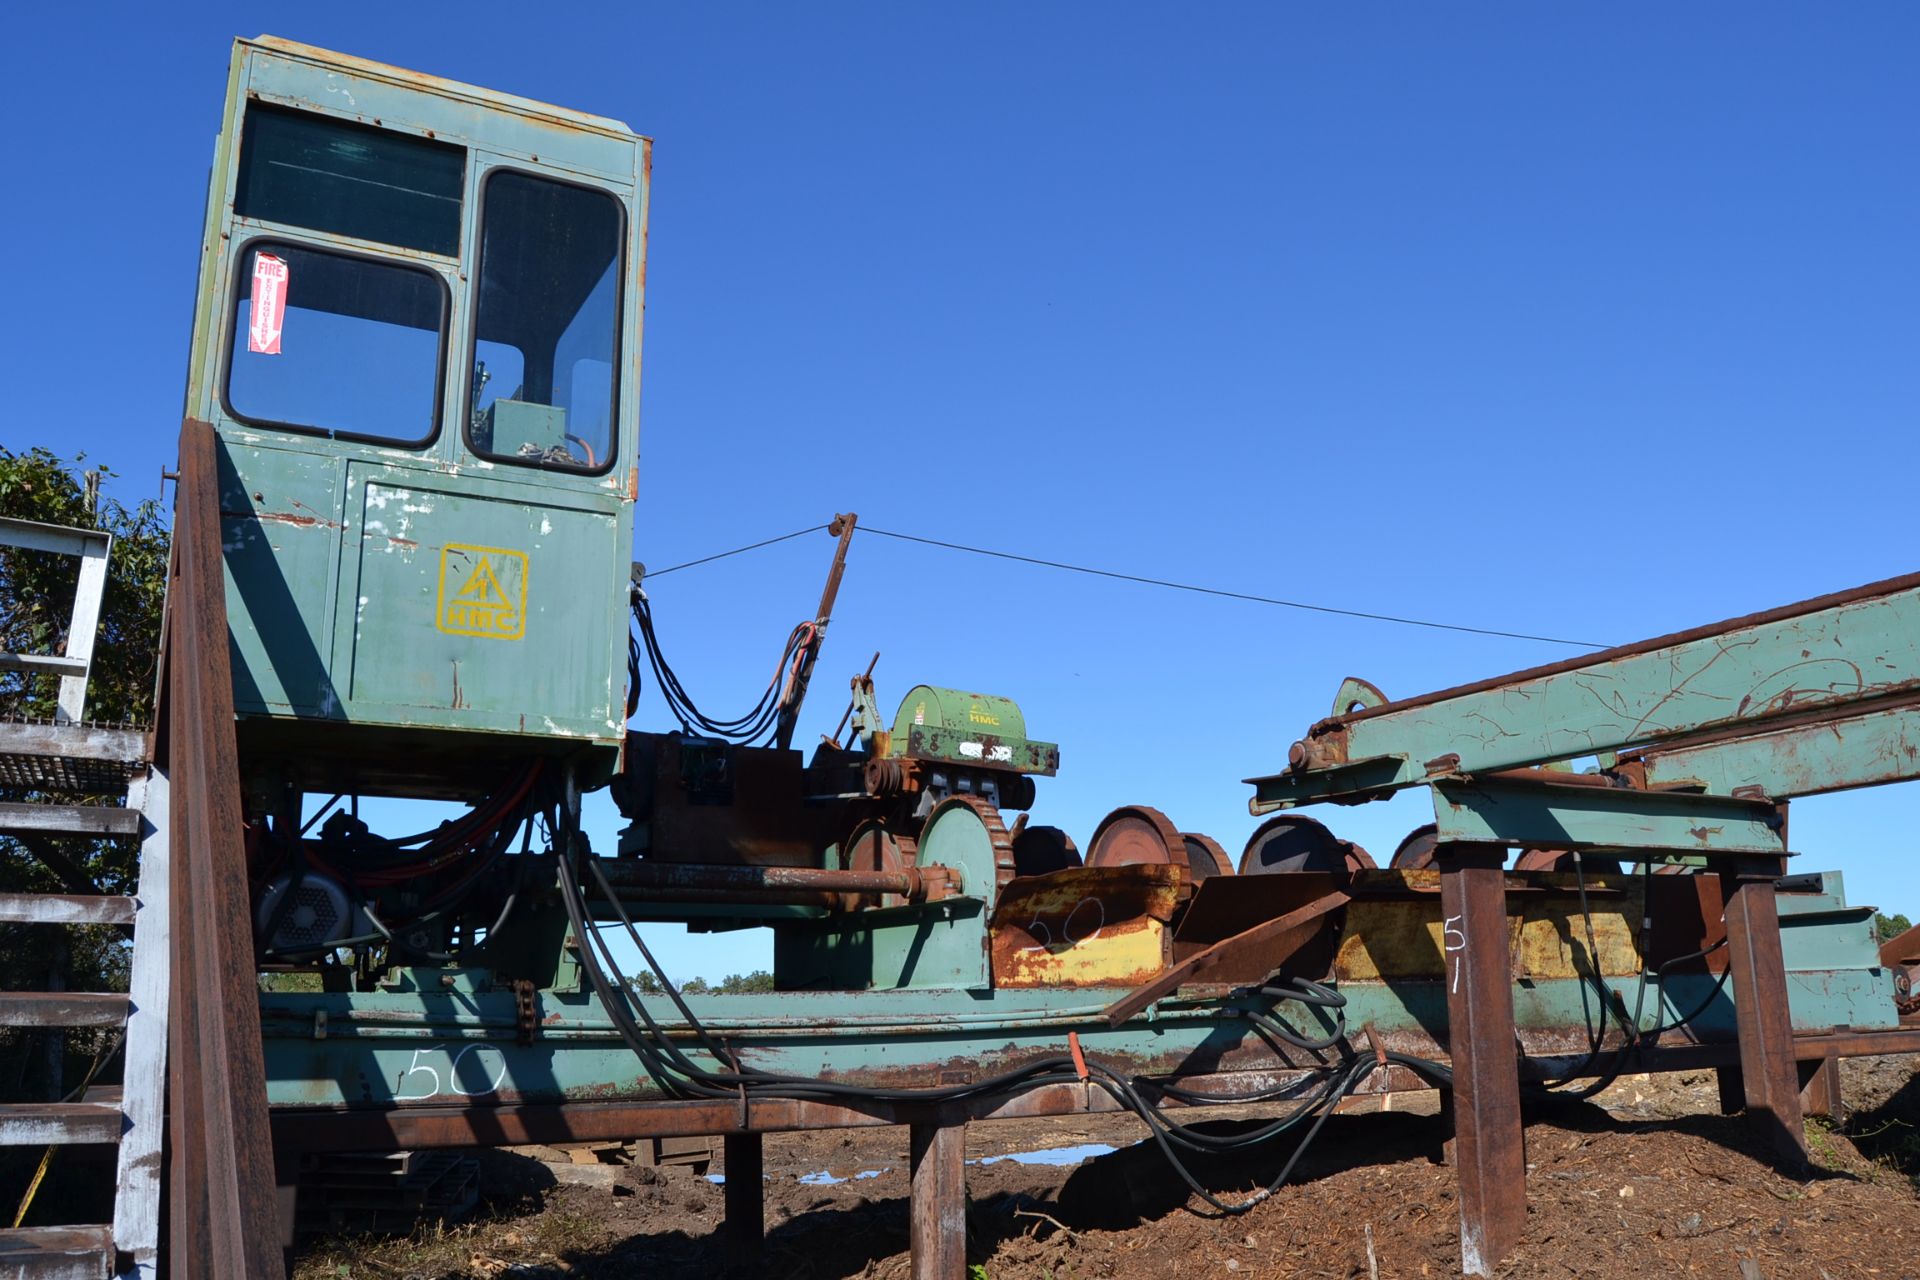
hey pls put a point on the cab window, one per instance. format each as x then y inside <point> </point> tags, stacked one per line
<point>543,382</point>
<point>336,343</point>
<point>348,179</point>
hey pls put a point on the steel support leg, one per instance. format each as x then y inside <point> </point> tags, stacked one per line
<point>939,1231</point>
<point>1759,976</point>
<point>746,1200</point>
<point>1489,1154</point>
<point>1820,1089</point>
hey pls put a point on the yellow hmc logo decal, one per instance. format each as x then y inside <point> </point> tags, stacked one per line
<point>483,592</point>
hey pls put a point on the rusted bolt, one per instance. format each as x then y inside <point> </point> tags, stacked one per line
<point>1297,756</point>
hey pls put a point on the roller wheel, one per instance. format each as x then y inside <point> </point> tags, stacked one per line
<point>1290,842</point>
<point>1561,860</point>
<point>1136,835</point>
<point>1415,853</point>
<point>1205,857</point>
<point>1038,850</point>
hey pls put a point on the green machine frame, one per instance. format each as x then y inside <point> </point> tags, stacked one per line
<point>424,528</point>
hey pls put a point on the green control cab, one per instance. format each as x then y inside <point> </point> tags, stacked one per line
<point>417,337</point>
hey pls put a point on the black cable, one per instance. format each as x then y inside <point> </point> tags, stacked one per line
<point>759,722</point>
<point>1145,581</point>
<point>680,1077</point>
<point>751,546</point>
<point>1229,595</point>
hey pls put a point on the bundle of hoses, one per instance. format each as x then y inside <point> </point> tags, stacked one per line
<point>759,722</point>
<point>1634,1041</point>
<point>679,1076</point>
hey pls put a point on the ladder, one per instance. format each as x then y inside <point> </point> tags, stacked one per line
<point>70,757</point>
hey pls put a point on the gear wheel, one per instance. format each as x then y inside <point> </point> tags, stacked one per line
<point>931,846</point>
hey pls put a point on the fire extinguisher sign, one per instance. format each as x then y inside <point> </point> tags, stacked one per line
<point>269,310</point>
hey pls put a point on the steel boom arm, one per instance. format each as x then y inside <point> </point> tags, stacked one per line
<point>1816,696</point>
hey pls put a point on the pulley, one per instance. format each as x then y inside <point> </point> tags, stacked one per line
<point>872,847</point>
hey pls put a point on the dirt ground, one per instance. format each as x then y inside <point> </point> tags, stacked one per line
<point>1648,1181</point>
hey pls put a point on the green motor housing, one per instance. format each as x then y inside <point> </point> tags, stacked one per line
<point>973,729</point>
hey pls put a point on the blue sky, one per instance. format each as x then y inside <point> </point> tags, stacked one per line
<point>1594,321</point>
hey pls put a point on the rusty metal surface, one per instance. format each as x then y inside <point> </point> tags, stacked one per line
<point>708,803</point>
<point>1230,906</point>
<point>1083,927</point>
<point>642,879</point>
<point>795,694</point>
<point>223,1224</point>
<point>1192,968</point>
<point>1902,948</point>
<point>874,849</point>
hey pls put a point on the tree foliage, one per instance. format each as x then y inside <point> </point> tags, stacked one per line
<point>1887,927</point>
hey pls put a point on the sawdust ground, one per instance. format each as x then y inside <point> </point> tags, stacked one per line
<point>1649,1182</point>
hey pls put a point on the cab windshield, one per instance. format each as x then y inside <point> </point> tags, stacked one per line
<point>544,382</point>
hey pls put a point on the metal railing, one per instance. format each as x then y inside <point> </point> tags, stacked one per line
<point>73,666</point>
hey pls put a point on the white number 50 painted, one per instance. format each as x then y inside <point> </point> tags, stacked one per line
<point>450,1083</point>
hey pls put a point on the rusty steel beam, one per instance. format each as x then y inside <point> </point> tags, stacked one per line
<point>407,1127</point>
<point>842,527</point>
<point>1768,1077</point>
<point>938,1174</point>
<point>1490,1154</point>
<point>709,881</point>
<point>223,1218</point>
